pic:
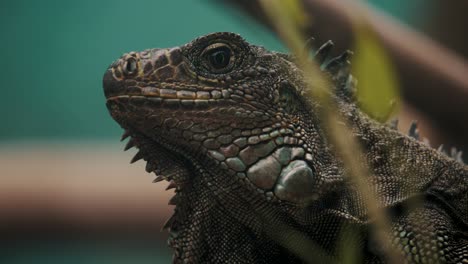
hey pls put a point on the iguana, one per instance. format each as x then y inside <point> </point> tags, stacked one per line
<point>255,179</point>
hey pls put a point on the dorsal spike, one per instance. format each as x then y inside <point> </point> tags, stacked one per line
<point>413,130</point>
<point>125,135</point>
<point>174,199</point>
<point>441,148</point>
<point>172,185</point>
<point>394,124</point>
<point>158,179</point>
<point>150,167</point>
<point>453,152</point>
<point>459,157</point>
<point>169,222</point>
<point>130,144</point>
<point>323,52</point>
<point>349,88</point>
<point>339,62</point>
<point>137,157</point>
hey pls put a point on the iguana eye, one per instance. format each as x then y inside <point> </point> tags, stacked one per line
<point>130,66</point>
<point>218,58</point>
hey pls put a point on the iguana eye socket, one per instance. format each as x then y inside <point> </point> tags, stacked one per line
<point>218,58</point>
<point>130,66</point>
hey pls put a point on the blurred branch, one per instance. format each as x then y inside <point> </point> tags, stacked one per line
<point>432,78</point>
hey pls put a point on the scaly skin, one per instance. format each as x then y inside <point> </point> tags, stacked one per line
<point>256,180</point>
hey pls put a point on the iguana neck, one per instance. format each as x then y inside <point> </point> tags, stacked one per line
<point>398,159</point>
<point>218,223</point>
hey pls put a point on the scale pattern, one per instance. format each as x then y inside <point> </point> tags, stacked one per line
<point>228,125</point>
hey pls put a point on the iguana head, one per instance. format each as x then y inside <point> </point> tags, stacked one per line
<point>225,115</point>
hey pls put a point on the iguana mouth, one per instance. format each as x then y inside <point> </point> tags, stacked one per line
<point>170,98</point>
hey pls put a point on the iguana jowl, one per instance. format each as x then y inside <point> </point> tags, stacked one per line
<point>226,123</point>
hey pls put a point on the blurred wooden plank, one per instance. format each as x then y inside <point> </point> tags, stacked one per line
<point>87,186</point>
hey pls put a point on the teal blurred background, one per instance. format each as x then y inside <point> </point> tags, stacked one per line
<point>54,54</point>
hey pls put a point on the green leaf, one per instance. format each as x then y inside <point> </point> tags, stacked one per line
<point>377,91</point>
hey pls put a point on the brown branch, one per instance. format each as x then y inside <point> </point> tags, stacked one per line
<point>432,79</point>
